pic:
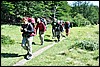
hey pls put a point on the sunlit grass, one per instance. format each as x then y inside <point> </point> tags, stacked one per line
<point>61,54</point>
<point>16,49</point>
<point>58,55</point>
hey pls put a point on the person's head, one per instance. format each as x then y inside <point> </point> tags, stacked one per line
<point>29,19</point>
<point>38,20</point>
<point>58,21</point>
<point>67,22</point>
<point>24,20</point>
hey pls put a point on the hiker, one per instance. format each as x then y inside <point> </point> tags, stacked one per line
<point>32,21</point>
<point>27,30</point>
<point>62,28</point>
<point>42,29</point>
<point>67,27</point>
<point>58,29</point>
<point>53,27</point>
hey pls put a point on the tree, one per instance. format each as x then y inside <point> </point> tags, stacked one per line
<point>7,11</point>
<point>11,10</point>
<point>63,10</point>
<point>79,20</point>
<point>89,12</point>
<point>93,15</point>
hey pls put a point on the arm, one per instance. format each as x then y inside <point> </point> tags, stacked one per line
<point>36,28</point>
<point>22,28</point>
<point>44,27</point>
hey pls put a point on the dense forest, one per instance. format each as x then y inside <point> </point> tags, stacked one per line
<point>81,13</point>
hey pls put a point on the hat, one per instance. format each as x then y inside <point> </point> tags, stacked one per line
<point>29,20</point>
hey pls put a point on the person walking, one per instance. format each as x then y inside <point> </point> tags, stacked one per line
<point>62,28</point>
<point>53,28</point>
<point>27,30</point>
<point>42,29</point>
<point>67,27</point>
<point>58,30</point>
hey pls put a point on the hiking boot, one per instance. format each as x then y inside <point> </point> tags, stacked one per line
<point>41,43</point>
<point>29,56</point>
<point>63,36</point>
<point>66,34</point>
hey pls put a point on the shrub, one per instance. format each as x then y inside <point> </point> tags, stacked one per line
<point>87,45</point>
<point>6,40</point>
<point>79,20</point>
<point>97,32</point>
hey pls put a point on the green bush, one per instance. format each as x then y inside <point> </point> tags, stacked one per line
<point>79,20</point>
<point>97,32</point>
<point>87,45</point>
<point>6,40</point>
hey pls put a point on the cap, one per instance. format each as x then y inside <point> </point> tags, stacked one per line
<point>29,20</point>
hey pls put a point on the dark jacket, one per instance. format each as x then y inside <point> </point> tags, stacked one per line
<point>29,28</point>
<point>67,25</point>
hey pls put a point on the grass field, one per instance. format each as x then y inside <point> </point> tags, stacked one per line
<point>59,55</point>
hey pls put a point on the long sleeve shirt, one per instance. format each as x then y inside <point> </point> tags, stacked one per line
<point>29,28</point>
<point>41,27</point>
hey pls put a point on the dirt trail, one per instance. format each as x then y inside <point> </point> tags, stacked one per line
<point>23,61</point>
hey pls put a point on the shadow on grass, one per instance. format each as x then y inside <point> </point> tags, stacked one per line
<point>47,35</point>
<point>48,40</point>
<point>55,40</point>
<point>33,43</point>
<point>7,55</point>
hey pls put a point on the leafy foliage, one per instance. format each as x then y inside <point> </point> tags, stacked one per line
<point>79,20</point>
<point>89,12</point>
<point>6,40</point>
<point>88,45</point>
<point>10,10</point>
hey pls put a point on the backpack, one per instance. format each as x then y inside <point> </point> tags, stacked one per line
<point>67,25</point>
<point>43,20</point>
<point>57,27</point>
<point>32,20</point>
<point>34,30</point>
<point>27,26</point>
